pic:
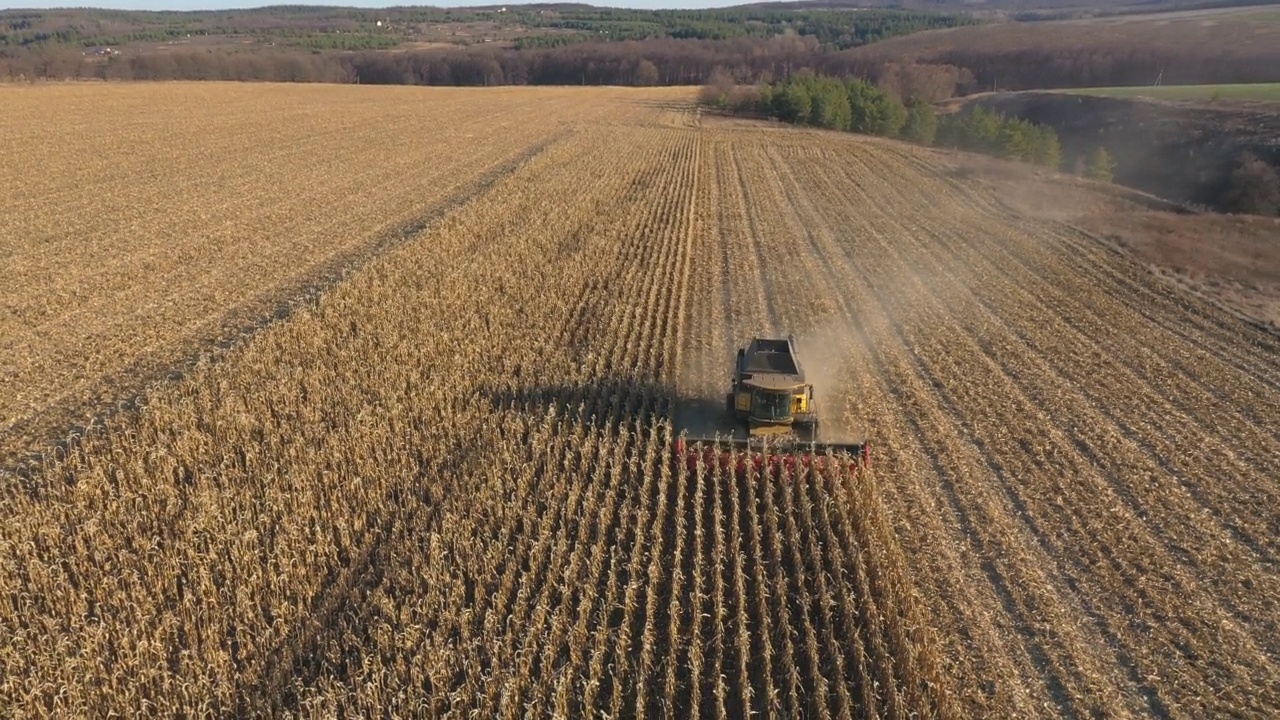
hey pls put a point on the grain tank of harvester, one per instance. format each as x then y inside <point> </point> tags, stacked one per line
<point>771,403</point>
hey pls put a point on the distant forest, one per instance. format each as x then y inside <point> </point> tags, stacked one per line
<point>659,61</point>
<point>324,28</point>
<point>428,46</point>
<point>579,44</point>
<point>551,45</point>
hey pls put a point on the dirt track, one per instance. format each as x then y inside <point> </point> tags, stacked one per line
<point>446,485</point>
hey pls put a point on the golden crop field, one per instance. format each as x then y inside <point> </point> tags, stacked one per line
<point>444,485</point>
<point>144,221</point>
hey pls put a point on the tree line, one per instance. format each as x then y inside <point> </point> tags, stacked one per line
<point>754,54</point>
<point>561,45</point>
<point>1032,68</point>
<point>579,60</point>
<point>989,132</point>
<point>660,61</point>
<point>583,45</point>
<point>834,28</point>
<point>853,104</point>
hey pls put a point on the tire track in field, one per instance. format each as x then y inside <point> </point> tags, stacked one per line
<point>292,663</point>
<point>1143,421</point>
<point>1043,657</point>
<point>90,394</point>
<point>1084,538</point>
<point>1163,315</point>
<point>1129,350</point>
<point>1211,335</point>
<point>871,386</point>
<point>957,239</point>
<point>1055,682</point>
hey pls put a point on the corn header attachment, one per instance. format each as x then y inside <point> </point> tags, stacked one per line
<point>771,403</point>
<point>738,455</point>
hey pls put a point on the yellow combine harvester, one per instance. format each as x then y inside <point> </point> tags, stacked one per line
<point>770,399</point>
<point>770,396</point>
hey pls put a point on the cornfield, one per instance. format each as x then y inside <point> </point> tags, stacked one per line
<point>442,483</point>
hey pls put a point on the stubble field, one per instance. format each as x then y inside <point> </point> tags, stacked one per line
<point>443,485</point>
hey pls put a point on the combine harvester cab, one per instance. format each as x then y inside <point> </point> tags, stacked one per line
<point>772,403</point>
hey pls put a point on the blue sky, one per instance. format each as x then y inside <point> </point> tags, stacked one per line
<point>224,4</point>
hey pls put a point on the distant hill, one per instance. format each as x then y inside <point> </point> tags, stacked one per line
<point>549,43</point>
<point>542,25</point>
<point>1025,10</point>
<point>1209,46</point>
<point>1095,7</point>
<point>928,48</point>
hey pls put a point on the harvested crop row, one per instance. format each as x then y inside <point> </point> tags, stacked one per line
<point>1047,422</point>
